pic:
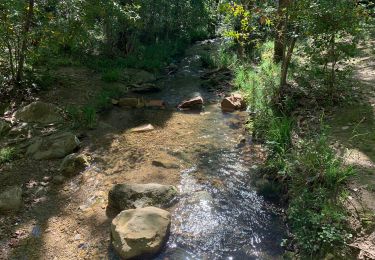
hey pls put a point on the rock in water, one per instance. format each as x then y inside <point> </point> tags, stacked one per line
<point>4,127</point>
<point>53,147</point>
<point>11,199</point>
<point>232,103</point>
<point>128,196</point>
<point>193,103</point>
<point>142,128</point>
<point>73,164</point>
<point>39,112</point>
<point>140,233</point>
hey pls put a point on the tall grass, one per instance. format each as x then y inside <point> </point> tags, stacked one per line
<point>310,173</point>
<point>7,154</point>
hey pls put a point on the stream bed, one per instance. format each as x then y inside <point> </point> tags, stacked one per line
<point>219,214</point>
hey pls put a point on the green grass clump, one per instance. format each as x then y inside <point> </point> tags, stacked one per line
<point>111,75</point>
<point>7,154</point>
<point>317,180</point>
<point>84,117</point>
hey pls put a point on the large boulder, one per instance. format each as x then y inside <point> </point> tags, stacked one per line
<point>140,233</point>
<point>127,196</point>
<point>232,103</point>
<point>73,164</point>
<point>53,146</point>
<point>136,76</point>
<point>193,103</point>
<point>4,127</point>
<point>39,112</point>
<point>11,199</point>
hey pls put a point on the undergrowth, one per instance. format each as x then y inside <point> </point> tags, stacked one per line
<point>7,154</point>
<point>313,179</point>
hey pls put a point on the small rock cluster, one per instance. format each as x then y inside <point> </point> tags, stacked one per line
<point>57,145</point>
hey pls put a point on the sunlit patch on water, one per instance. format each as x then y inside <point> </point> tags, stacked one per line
<point>222,216</point>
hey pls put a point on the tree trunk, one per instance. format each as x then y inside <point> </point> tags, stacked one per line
<point>286,62</point>
<point>22,55</point>
<point>280,31</point>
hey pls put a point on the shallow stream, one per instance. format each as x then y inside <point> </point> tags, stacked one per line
<point>219,214</point>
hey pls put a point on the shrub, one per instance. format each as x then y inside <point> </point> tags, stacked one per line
<point>7,154</point>
<point>316,187</point>
<point>82,117</point>
<point>111,75</point>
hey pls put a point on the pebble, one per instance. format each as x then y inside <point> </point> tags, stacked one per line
<point>77,237</point>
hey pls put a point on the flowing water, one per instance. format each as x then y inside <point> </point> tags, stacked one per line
<point>219,214</point>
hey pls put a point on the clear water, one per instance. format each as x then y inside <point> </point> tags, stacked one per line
<point>219,214</point>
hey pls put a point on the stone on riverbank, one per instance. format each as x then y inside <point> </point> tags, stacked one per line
<point>140,233</point>
<point>11,199</point>
<point>232,103</point>
<point>39,112</point>
<point>73,164</point>
<point>53,147</point>
<point>127,196</point>
<point>142,128</point>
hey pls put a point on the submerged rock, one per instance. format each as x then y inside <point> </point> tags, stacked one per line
<point>232,103</point>
<point>73,164</point>
<point>127,196</point>
<point>53,147</point>
<point>39,112</point>
<point>11,199</point>
<point>193,103</point>
<point>140,233</point>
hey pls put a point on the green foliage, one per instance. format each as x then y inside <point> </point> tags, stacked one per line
<point>224,57</point>
<point>246,23</point>
<point>82,117</point>
<point>260,86</point>
<point>318,225</point>
<point>316,188</point>
<point>111,75</point>
<point>310,172</point>
<point>7,154</point>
